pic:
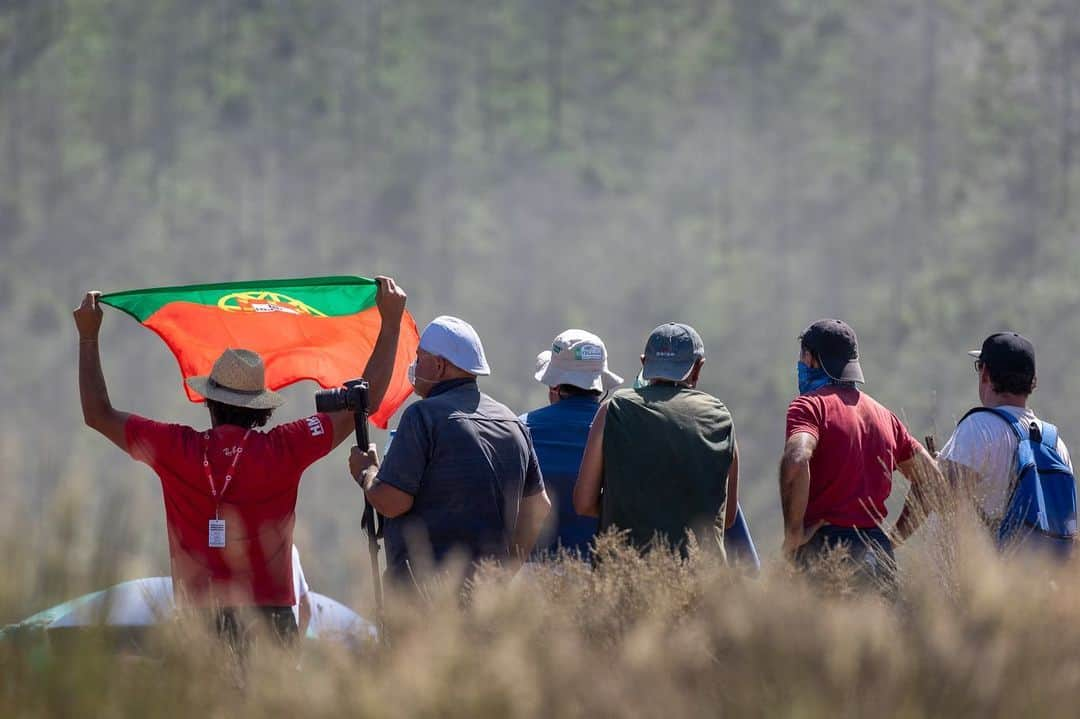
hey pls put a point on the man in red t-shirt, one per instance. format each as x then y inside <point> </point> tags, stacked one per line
<point>230,491</point>
<point>841,451</point>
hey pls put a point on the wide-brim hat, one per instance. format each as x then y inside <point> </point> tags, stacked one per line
<point>576,358</point>
<point>238,378</point>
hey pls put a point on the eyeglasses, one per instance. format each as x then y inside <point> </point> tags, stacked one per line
<point>978,366</point>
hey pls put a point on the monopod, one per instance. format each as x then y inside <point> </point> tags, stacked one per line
<point>353,396</point>
<point>370,522</point>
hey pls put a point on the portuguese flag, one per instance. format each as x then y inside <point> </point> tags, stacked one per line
<point>321,328</point>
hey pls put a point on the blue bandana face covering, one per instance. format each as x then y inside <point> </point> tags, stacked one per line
<point>811,378</point>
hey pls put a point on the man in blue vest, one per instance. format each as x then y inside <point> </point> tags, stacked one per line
<point>576,374</point>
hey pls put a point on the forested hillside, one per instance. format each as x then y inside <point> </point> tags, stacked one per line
<point>746,166</point>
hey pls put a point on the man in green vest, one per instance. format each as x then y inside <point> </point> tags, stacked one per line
<point>661,459</point>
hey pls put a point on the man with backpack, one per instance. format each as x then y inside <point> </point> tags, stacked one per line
<point>1013,465</point>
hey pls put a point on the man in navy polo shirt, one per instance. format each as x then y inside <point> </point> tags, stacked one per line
<point>461,474</point>
<point>576,374</point>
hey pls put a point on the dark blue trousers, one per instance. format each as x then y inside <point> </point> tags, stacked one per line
<point>870,550</point>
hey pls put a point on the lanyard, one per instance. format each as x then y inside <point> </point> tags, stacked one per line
<point>228,477</point>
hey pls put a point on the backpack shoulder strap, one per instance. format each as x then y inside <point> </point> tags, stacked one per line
<point>1019,429</point>
<point>1049,435</point>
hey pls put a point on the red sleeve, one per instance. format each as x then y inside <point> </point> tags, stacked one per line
<point>304,441</point>
<point>804,414</point>
<point>154,443</point>
<point>906,445</point>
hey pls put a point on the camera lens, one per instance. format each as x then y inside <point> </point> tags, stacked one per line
<point>331,400</point>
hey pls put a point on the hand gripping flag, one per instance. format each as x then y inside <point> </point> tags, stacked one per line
<point>320,328</point>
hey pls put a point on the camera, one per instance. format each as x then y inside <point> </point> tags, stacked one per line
<point>352,397</point>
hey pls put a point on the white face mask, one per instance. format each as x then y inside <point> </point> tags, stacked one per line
<point>413,378</point>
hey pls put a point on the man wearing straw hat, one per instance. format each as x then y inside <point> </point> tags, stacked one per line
<point>575,371</point>
<point>230,491</point>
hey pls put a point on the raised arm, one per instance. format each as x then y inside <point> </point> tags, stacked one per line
<point>795,490</point>
<point>98,412</point>
<point>591,475</point>
<point>390,299</point>
<point>927,488</point>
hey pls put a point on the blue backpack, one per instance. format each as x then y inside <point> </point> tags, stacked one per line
<point>1041,511</point>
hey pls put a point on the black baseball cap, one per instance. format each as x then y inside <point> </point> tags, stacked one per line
<point>836,347</point>
<point>1007,352</point>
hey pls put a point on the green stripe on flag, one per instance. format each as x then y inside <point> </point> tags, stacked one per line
<point>321,296</point>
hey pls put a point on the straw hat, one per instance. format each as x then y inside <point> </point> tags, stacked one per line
<point>238,379</point>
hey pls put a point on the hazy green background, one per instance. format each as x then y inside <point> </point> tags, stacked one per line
<point>746,166</point>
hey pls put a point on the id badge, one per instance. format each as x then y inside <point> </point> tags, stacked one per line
<point>217,533</point>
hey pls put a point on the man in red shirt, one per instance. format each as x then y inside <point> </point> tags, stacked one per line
<point>841,451</point>
<point>230,491</point>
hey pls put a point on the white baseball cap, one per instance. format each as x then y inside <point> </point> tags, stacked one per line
<point>577,358</point>
<point>456,341</point>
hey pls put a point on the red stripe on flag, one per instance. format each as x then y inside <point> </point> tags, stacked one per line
<point>327,350</point>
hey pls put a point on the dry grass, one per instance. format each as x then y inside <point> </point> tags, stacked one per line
<point>967,635</point>
<point>637,636</point>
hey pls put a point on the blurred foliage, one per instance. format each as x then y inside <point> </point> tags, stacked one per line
<point>744,165</point>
